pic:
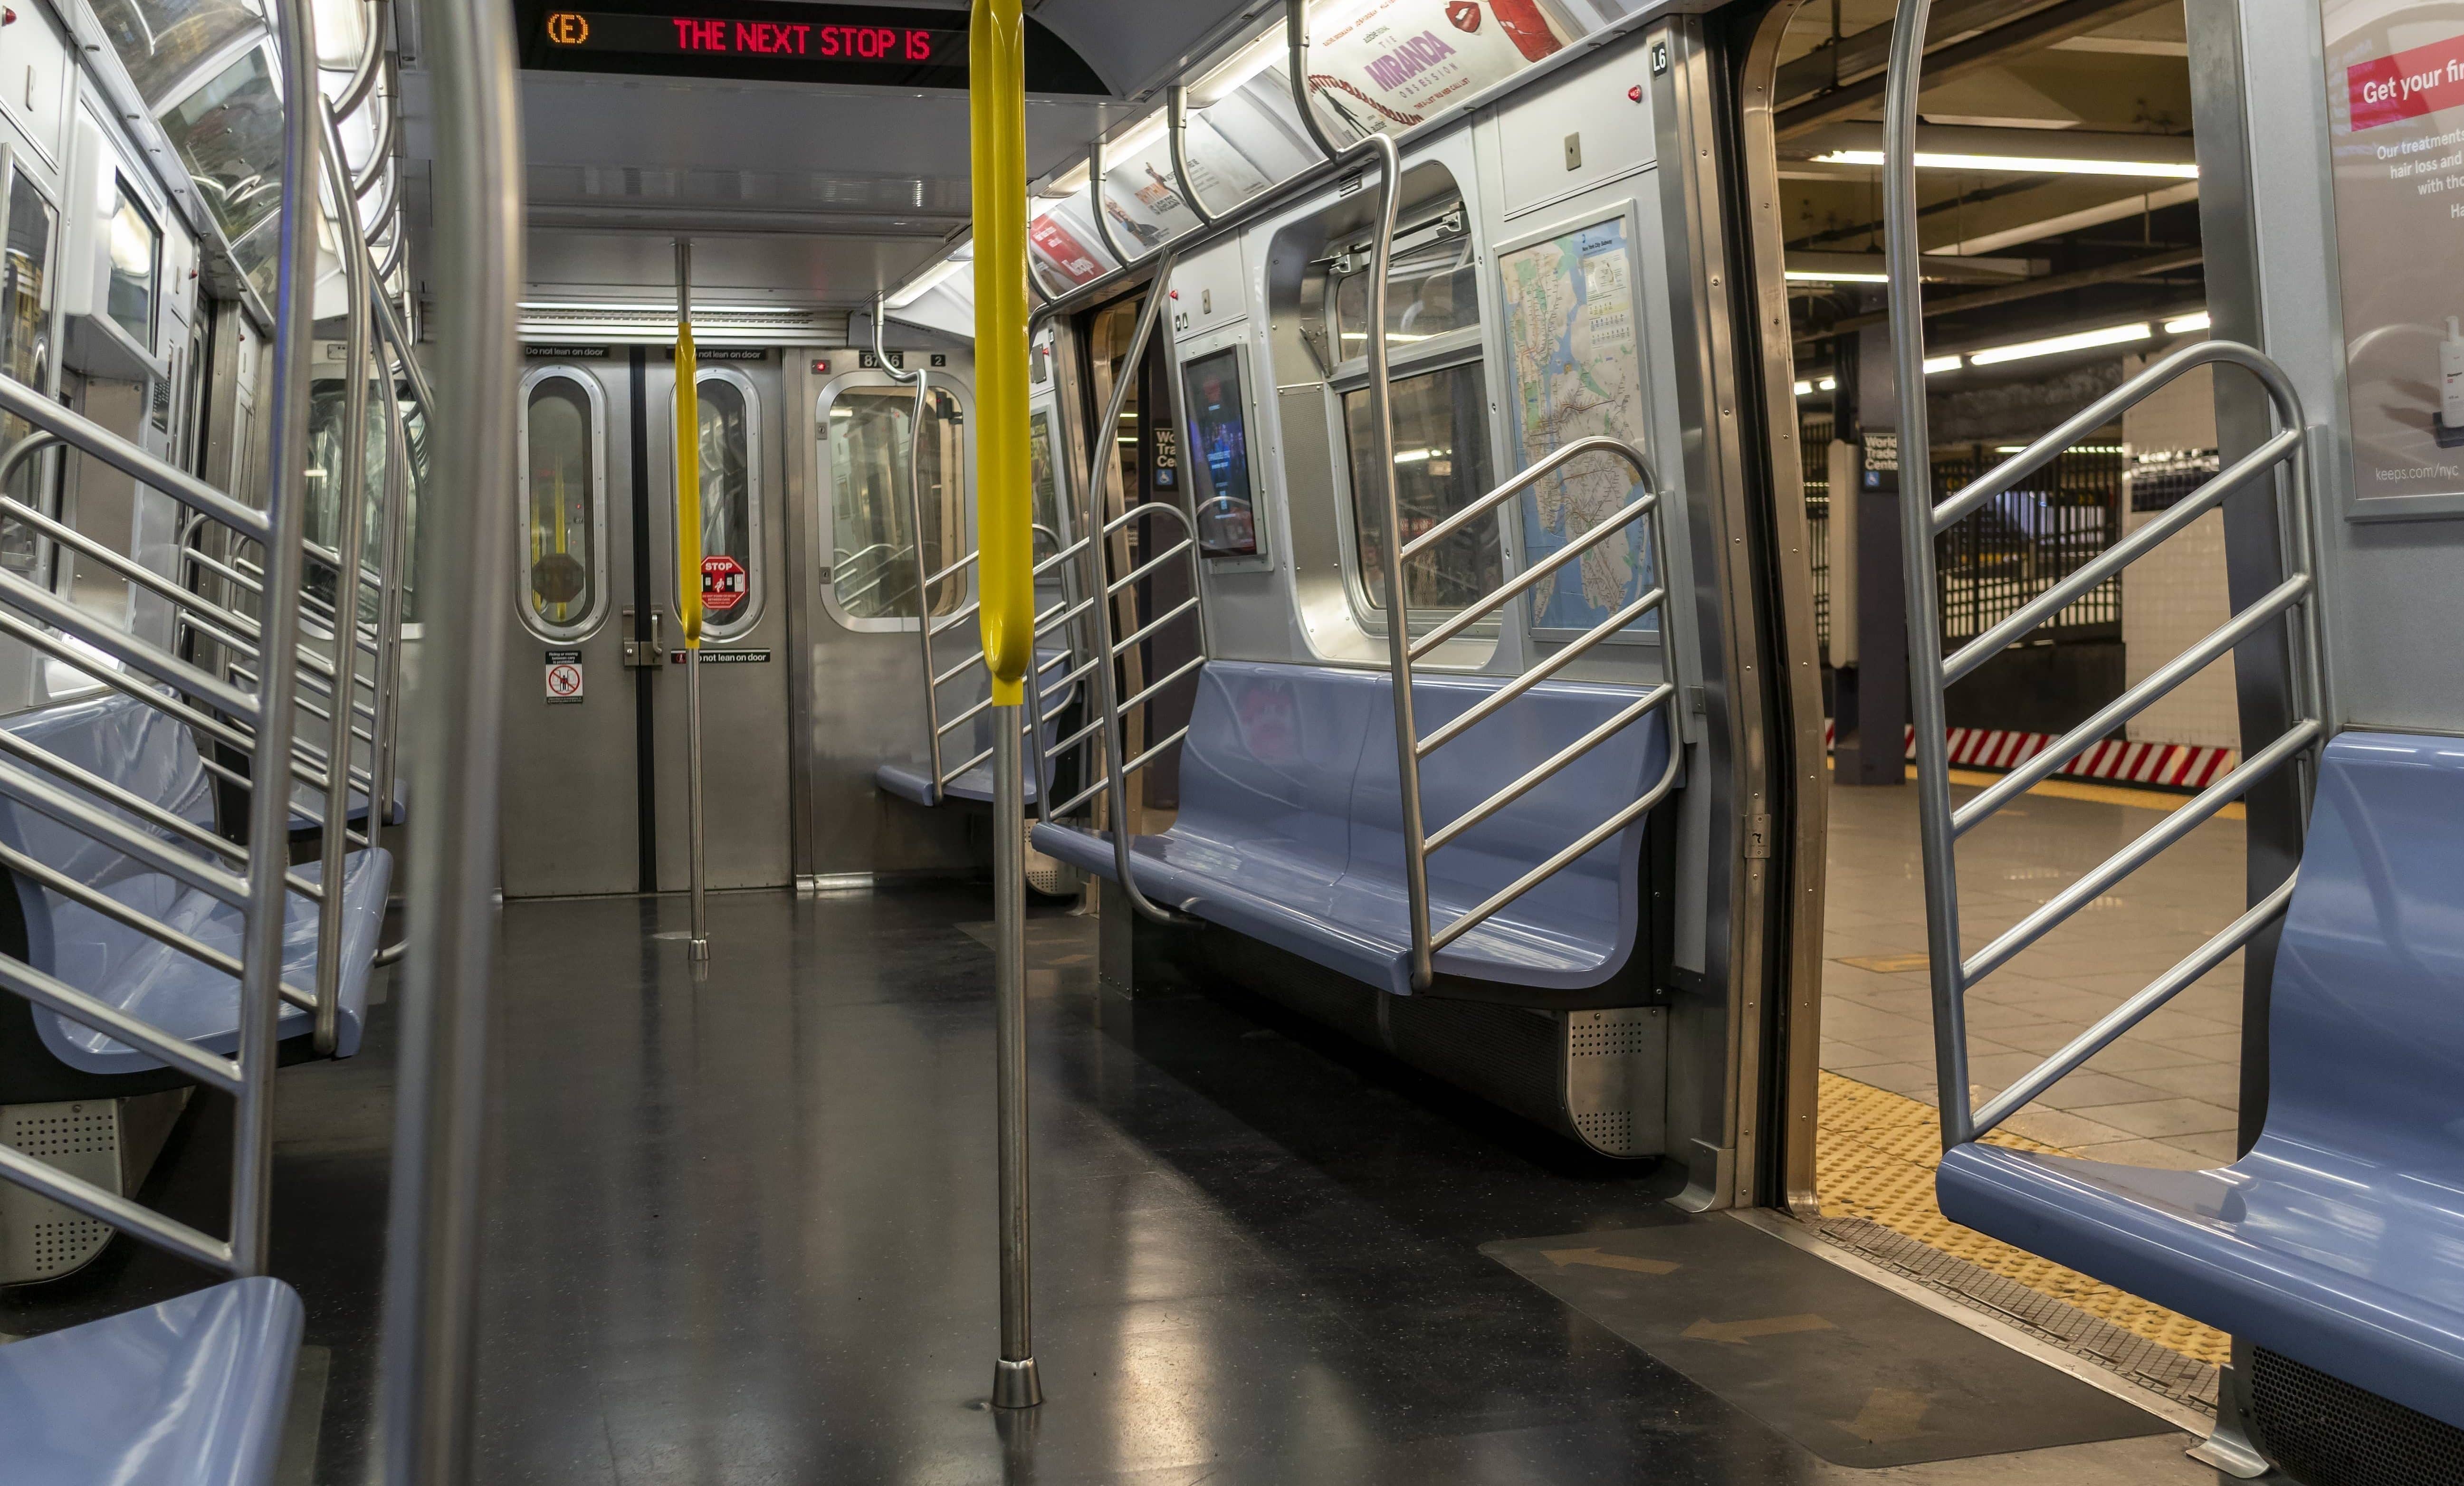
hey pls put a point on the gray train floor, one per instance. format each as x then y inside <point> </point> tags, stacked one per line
<point>2166,1093</point>
<point>740,1230</point>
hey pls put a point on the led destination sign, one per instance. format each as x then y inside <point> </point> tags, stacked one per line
<point>780,42</point>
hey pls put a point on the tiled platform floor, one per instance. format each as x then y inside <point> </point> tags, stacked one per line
<point>2166,1093</point>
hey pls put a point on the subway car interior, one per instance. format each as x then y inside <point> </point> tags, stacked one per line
<point>1444,741</point>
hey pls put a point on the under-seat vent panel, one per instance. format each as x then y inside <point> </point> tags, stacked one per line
<point>2326,1431</point>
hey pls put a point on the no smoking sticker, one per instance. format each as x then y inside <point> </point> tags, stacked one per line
<point>564,676</point>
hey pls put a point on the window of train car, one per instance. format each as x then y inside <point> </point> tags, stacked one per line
<point>159,41</point>
<point>869,434</point>
<point>1441,406</point>
<point>136,248</point>
<point>228,133</point>
<point>563,502</point>
<point>1043,480</point>
<point>25,350</point>
<point>1441,464</point>
<point>729,414</point>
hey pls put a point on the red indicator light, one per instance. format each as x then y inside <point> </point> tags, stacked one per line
<point>1634,94</point>
<point>821,369</point>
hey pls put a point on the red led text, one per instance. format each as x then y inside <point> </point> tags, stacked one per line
<point>774,38</point>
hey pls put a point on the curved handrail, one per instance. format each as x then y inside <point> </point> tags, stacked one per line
<point>1103,218</point>
<point>1296,45</point>
<point>1402,650</point>
<point>1176,126</point>
<point>915,519</point>
<point>2293,602</point>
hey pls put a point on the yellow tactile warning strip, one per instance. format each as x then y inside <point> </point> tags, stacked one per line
<point>1874,1159</point>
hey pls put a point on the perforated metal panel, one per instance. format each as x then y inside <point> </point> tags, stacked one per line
<point>1616,1072</point>
<point>2326,1431</point>
<point>39,1239</point>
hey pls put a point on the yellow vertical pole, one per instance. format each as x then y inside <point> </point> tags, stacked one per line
<point>688,461</point>
<point>997,132</point>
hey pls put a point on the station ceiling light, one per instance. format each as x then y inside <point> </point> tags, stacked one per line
<point>2056,345</point>
<point>2021,165</point>
<point>1833,276</point>
<point>2185,324</point>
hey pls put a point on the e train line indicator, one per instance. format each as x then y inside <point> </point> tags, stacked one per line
<point>777,41</point>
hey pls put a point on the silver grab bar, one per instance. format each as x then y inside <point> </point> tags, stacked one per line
<point>2293,603</point>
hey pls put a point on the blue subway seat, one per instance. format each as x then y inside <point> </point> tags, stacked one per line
<point>190,1392</point>
<point>153,756</point>
<point>1290,826</point>
<point>2339,1239</point>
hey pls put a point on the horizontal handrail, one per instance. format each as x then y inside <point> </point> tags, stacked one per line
<point>105,1206</point>
<point>2150,689</point>
<point>1148,566</point>
<point>140,846</point>
<point>41,603</point>
<point>54,994</point>
<point>1524,581</point>
<point>1516,483</point>
<point>111,908</point>
<point>122,798</point>
<point>1555,662</point>
<point>96,442</point>
<point>2131,1013</point>
<point>2217,488</point>
<point>2002,477</point>
<point>1158,622</point>
<point>1151,688</point>
<point>1564,859</point>
<point>1549,767</point>
<point>1403,650</point>
<point>2150,844</point>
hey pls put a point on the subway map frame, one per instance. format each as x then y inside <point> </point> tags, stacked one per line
<point>1570,298</point>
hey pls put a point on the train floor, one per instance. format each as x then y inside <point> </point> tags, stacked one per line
<point>740,1230</point>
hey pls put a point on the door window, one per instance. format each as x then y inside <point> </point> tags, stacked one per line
<point>729,414</point>
<point>564,503</point>
<point>870,438</point>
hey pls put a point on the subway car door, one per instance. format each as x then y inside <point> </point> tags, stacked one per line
<point>571,766</point>
<point>746,811</point>
<point>861,661</point>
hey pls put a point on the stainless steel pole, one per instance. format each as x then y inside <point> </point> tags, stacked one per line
<point>1015,1384</point>
<point>430,1342</point>
<point>688,592</point>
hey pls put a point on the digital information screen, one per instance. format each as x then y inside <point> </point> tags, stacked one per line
<point>766,40</point>
<point>1219,443</point>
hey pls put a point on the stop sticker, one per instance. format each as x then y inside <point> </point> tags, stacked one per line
<point>724,583</point>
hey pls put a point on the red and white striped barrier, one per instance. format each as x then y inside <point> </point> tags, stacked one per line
<point>2165,765</point>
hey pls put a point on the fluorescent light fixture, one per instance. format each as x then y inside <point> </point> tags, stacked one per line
<point>1829,385</point>
<point>2184,325</point>
<point>2023,165</point>
<point>1823,276</point>
<point>1941,363</point>
<point>2076,449</point>
<point>924,283</point>
<point>2056,345</point>
<point>1805,390</point>
<point>1069,183</point>
<point>1145,132</point>
<point>1412,456</point>
<point>1266,51</point>
<point>1392,337</point>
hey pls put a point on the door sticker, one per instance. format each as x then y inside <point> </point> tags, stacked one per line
<point>564,676</point>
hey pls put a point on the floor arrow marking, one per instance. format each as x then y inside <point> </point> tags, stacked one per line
<point>1597,1260</point>
<point>1738,1332</point>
